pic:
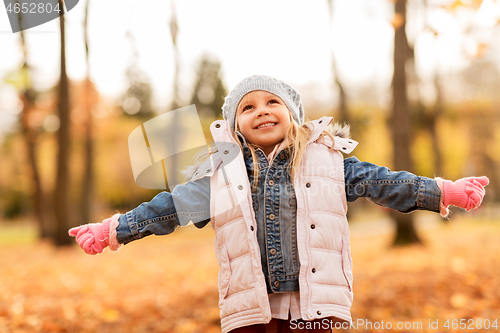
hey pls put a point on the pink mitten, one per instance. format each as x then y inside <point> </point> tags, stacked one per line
<point>466,193</point>
<point>93,238</point>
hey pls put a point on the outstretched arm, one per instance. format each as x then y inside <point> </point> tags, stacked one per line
<point>167,211</point>
<point>402,191</point>
<point>406,192</point>
<point>161,216</point>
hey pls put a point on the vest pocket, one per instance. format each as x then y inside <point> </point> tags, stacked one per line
<point>224,272</point>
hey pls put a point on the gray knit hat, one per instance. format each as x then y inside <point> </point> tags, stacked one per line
<point>289,95</point>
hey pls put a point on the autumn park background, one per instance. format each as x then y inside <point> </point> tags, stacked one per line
<point>64,157</point>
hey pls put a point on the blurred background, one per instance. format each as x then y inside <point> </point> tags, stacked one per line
<point>418,82</point>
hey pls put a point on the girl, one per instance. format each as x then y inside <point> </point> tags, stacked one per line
<point>276,194</point>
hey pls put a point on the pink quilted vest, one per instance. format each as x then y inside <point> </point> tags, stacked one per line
<point>325,279</point>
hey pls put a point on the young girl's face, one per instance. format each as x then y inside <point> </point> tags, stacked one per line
<point>263,119</point>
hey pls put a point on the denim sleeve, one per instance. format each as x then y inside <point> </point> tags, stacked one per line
<point>402,191</point>
<point>167,211</point>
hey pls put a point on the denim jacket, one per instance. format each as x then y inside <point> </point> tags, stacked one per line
<point>401,191</point>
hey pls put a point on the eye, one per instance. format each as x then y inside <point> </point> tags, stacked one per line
<point>272,101</point>
<point>247,107</point>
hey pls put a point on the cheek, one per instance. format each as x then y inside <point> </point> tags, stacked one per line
<point>285,116</point>
<point>242,124</point>
<point>286,122</point>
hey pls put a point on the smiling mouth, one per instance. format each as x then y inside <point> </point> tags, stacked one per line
<point>265,125</point>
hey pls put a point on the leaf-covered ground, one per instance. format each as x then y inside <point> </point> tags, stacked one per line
<point>169,284</point>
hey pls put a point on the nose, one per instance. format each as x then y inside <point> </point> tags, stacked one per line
<point>262,111</point>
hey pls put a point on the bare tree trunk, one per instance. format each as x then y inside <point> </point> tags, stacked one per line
<point>61,236</point>
<point>405,230</point>
<point>30,136</point>
<point>88,175</point>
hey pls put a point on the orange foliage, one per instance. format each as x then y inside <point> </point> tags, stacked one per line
<point>169,284</point>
